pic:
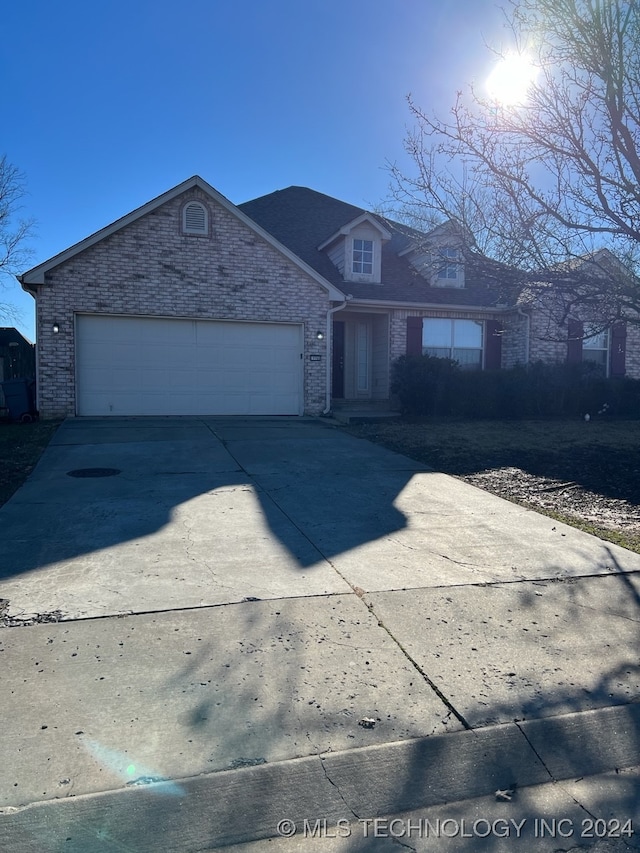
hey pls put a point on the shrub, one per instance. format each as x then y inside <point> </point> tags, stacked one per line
<point>435,386</point>
<point>424,384</point>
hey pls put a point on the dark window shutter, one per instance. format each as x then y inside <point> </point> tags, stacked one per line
<point>493,345</point>
<point>574,342</point>
<point>414,335</point>
<point>618,349</point>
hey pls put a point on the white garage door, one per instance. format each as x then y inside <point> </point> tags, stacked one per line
<point>153,366</point>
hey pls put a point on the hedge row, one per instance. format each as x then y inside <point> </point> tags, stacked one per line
<point>429,386</point>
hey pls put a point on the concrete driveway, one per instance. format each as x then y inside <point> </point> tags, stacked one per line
<point>275,613</point>
<point>205,512</point>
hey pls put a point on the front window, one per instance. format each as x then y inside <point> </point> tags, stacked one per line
<point>363,257</point>
<point>460,340</point>
<point>595,348</point>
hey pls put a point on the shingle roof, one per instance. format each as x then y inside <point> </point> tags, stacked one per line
<point>302,219</point>
<point>10,335</point>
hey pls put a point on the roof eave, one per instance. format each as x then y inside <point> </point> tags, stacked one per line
<point>353,223</point>
<point>36,275</point>
<point>401,304</point>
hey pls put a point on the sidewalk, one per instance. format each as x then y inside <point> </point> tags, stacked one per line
<point>328,632</point>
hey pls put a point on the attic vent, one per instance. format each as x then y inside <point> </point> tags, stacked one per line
<point>194,218</point>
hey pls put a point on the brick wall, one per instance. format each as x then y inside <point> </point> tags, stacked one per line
<point>514,340</point>
<point>150,268</point>
<point>549,342</point>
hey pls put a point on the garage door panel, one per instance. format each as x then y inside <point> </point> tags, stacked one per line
<point>156,366</point>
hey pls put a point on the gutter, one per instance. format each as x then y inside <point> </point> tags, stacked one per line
<point>329,338</point>
<point>423,306</point>
<point>27,289</point>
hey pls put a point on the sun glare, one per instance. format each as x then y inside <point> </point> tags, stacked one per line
<point>510,81</point>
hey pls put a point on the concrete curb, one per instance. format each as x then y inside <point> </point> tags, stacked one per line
<point>247,804</point>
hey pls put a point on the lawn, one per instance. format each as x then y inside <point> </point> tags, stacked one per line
<point>21,445</point>
<point>586,474</point>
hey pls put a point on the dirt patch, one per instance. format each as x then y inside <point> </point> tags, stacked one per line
<point>557,497</point>
<point>7,621</point>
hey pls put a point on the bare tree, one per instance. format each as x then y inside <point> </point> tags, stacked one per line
<point>14,230</point>
<point>545,185</point>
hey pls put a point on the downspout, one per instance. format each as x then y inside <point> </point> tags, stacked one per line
<point>527,318</point>
<point>329,338</point>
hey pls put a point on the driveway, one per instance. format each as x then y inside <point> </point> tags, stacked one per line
<point>298,620</point>
<point>213,511</point>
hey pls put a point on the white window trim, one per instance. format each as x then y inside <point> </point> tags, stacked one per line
<point>443,259</point>
<point>363,250</point>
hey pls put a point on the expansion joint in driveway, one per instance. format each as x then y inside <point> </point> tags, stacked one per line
<point>418,668</point>
<point>358,592</point>
<point>534,750</point>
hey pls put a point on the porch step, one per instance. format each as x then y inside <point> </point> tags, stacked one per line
<point>362,416</point>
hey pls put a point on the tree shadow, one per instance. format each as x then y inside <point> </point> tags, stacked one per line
<point>267,682</point>
<point>601,468</point>
<point>284,504</point>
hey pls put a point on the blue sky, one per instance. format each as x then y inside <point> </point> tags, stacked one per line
<point>108,104</point>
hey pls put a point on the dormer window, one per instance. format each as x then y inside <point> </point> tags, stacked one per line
<point>449,269</point>
<point>356,249</point>
<point>362,257</point>
<point>195,219</point>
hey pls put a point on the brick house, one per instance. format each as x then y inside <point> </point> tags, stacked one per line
<point>283,305</point>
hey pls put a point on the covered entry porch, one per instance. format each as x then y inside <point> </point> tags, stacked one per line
<point>360,358</point>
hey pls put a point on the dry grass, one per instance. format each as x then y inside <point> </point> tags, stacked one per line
<point>21,445</point>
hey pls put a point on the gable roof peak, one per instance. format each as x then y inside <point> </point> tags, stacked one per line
<point>36,275</point>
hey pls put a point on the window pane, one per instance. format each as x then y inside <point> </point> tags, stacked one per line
<point>436,333</point>
<point>468,359</point>
<point>437,352</point>
<point>362,261</point>
<point>448,270</point>
<point>467,333</point>
<point>596,356</point>
<point>597,341</point>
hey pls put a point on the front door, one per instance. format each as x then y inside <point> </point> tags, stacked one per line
<point>337,373</point>
<point>362,360</point>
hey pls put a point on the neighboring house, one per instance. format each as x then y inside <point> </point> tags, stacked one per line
<point>17,359</point>
<point>282,305</point>
<point>17,355</point>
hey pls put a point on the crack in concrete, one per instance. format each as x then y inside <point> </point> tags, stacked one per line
<point>442,556</point>
<point>396,840</point>
<point>578,803</point>
<point>189,545</point>
<point>337,787</point>
<point>534,750</point>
